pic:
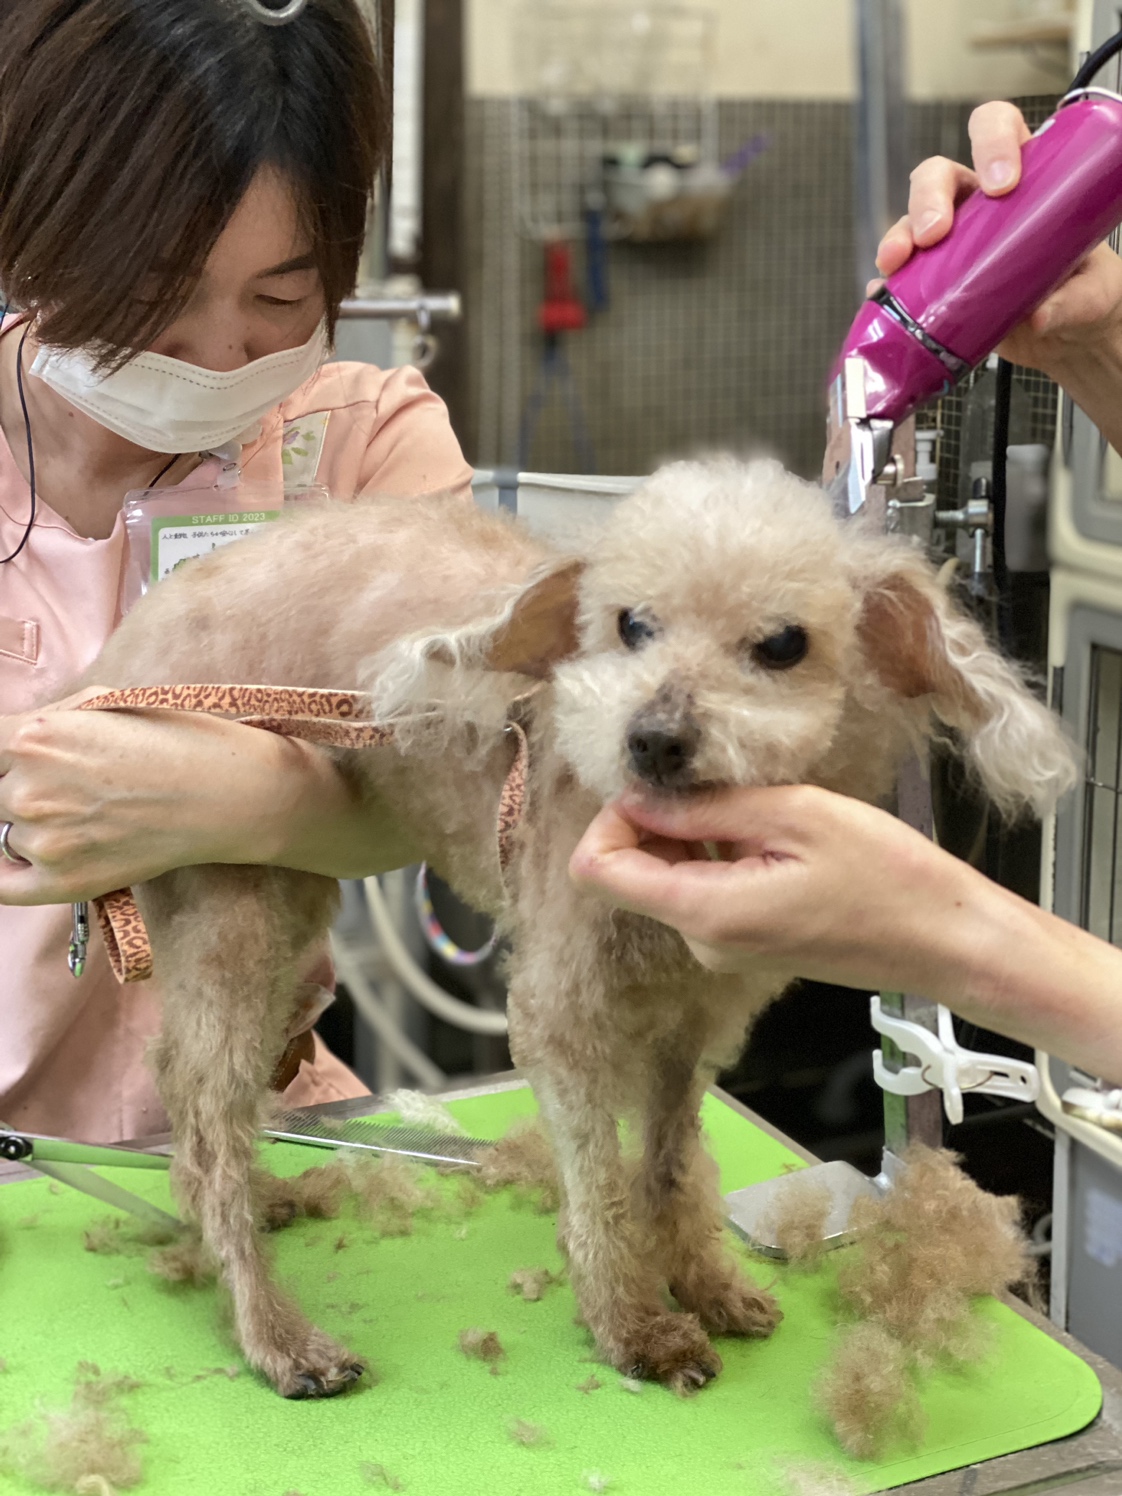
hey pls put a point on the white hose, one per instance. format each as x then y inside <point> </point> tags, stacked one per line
<point>419,983</point>
<point>369,1006</point>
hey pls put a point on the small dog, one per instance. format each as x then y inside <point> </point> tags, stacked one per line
<point>723,629</point>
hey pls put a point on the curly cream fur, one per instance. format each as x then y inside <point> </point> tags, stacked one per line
<point>447,615</point>
<point>924,1253</point>
<point>90,1446</point>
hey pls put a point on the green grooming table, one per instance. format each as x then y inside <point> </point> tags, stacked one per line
<point>435,1423</point>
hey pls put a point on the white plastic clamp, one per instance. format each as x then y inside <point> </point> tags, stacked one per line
<point>945,1066</point>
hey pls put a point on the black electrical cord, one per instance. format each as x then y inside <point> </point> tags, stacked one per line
<point>1002,406</point>
<point>1096,60</point>
<point>30,449</point>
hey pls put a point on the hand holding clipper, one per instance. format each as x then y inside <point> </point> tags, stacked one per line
<point>951,304</point>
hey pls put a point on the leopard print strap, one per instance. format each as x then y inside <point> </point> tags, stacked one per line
<point>126,938</point>
<point>512,799</point>
<point>233,701</point>
<point>332,718</point>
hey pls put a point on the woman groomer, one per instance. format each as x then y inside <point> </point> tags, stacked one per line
<point>188,179</point>
<point>823,887</point>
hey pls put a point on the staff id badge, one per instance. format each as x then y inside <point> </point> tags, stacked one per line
<point>181,537</point>
<point>168,528</point>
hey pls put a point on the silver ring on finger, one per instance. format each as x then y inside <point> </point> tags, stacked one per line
<point>5,847</point>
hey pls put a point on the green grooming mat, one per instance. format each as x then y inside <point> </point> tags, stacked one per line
<point>428,1420</point>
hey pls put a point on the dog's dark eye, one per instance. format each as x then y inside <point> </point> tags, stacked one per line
<point>634,631</point>
<point>781,651</point>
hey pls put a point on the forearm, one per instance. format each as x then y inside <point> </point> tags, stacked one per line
<point>820,886</point>
<point>1092,376</point>
<point>309,815</point>
<point>1006,965</point>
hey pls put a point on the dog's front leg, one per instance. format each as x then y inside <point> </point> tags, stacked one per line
<point>615,1281</point>
<point>225,942</point>
<point>678,1200</point>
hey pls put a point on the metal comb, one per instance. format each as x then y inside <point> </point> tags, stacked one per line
<point>410,1140</point>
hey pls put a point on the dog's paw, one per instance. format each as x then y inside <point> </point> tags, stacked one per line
<point>674,1350</point>
<point>318,1368</point>
<point>730,1306</point>
<point>326,1384</point>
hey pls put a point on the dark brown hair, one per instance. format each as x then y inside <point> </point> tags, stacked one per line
<point>131,129</point>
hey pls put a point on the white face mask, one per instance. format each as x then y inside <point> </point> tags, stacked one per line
<point>165,405</point>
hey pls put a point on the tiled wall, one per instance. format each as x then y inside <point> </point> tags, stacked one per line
<point>725,343</point>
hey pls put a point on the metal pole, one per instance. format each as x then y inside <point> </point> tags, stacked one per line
<point>881,180</point>
<point>881,128</point>
<point>911,1119</point>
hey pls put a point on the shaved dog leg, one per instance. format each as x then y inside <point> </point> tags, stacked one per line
<point>615,1283</point>
<point>678,1199</point>
<point>225,942</point>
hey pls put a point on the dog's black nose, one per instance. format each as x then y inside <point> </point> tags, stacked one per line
<point>659,756</point>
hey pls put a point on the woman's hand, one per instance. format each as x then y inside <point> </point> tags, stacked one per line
<point>814,884</point>
<point>808,883</point>
<point>102,800</point>
<point>1081,323</point>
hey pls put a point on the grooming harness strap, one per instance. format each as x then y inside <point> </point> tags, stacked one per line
<point>333,719</point>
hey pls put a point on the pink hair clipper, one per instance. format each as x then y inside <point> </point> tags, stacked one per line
<point>950,305</point>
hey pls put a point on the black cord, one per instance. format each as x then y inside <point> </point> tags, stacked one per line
<point>165,469</point>
<point>30,449</point>
<point>1097,59</point>
<point>1002,405</point>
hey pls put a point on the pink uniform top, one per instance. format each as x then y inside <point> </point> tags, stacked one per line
<point>72,1052</point>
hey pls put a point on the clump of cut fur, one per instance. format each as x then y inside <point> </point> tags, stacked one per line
<point>423,1111</point>
<point>94,1485</point>
<point>798,1220</point>
<point>482,1345</point>
<point>524,1160</point>
<point>95,1389</point>
<point>378,1475</point>
<point>531,1282</point>
<point>532,1435</point>
<point>924,1252</point>
<point>112,1236</point>
<point>188,1262</point>
<point>590,1384</point>
<point>89,1446</point>
<point>179,1256</point>
<point>468,1195</point>
<point>318,1193</point>
<point>868,1392</point>
<point>927,1249</point>
<point>595,1480</point>
<point>389,1192</point>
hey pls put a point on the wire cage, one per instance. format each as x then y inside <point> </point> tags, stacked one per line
<point>594,80</point>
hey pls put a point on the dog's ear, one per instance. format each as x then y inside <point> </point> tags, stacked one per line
<point>541,628</point>
<point>920,645</point>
